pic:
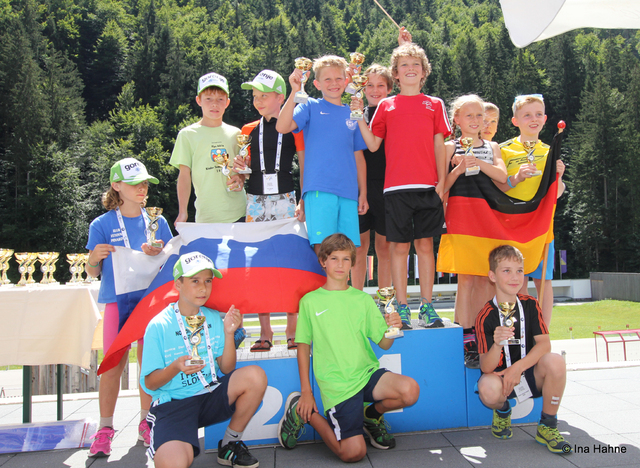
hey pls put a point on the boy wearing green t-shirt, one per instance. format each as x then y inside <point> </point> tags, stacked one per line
<point>340,320</point>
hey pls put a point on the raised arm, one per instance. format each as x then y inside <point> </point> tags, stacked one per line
<point>285,123</point>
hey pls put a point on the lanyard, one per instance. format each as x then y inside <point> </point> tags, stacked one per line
<point>123,230</point>
<point>278,151</point>
<point>523,339</point>
<point>187,345</point>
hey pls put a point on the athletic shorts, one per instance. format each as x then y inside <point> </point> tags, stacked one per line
<point>270,207</point>
<point>181,419</point>
<point>413,215</point>
<point>531,381</point>
<point>110,326</point>
<point>550,257</point>
<point>327,214</point>
<point>347,418</point>
<point>374,217</point>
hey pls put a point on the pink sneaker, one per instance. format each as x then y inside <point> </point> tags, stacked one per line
<point>144,433</point>
<point>101,445</point>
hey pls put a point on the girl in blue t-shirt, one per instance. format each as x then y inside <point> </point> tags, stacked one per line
<point>125,224</point>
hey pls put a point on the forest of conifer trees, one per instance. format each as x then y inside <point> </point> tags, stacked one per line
<point>84,83</point>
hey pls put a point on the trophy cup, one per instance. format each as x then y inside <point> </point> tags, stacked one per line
<point>154,213</point>
<point>5,256</point>
<point>32,258</point>
<point>305,65</point>
<point>47,260</point>
<point>22,258</point>
<point>196,324</point>
<point>82,261</point>
<point>359,82</point>
<point>507,310</point>
<point>355,63</point>
<point>243,142</point>
<point>386,296</point>
<point>73,260</point>
<point>529,146</point>
<point>467,145</point>
<point>222,160</point>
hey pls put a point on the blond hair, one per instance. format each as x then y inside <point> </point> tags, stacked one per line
<point>334,243</point>
<point>111,199</point>
<point>457,105</point>
<point>381,71</point>
<point>524,99</point>
<point>490,106</point>
<point>327,61</point>
<point>504,252</point>
<point>410,50</point>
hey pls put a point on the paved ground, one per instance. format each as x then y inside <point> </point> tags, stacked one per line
<point>600,413</point>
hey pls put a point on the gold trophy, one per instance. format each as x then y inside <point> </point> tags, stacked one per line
<point>5,256</point>
<point>32,259</point>
<point>23,259</point>
<point>386,296</point>
<point>359,82</point>
<point>154,213</point>
<point>529,146</point>
<point>82,261</point>
<point>196,324</point>
<point>305,65</point>
<point>508,310</point>
<point>467,145</point>
<point>222,160</point>
<point>243,142</point>
<point>356,59</point>
<point>47,260</point>
<point>72,260</point>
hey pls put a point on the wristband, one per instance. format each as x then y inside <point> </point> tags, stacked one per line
<point>93,266</point>
<point>509,182</point>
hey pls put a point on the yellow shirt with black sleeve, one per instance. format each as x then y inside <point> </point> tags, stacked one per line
<point>514,155</point>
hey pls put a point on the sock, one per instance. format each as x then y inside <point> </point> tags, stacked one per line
<point>469,338</point>
<point>505,410</point>
<point>106,422</point>
<point>231,436</point>
<point>143,414</point>
<point>548,419</point>
<point>371,412</point>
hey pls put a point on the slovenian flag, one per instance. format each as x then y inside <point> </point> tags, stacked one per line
<point>480,217</point>
<point>266,267</point>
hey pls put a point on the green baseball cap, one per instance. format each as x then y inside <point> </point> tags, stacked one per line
<point>193,263</point>
<point>213,79</point>
<point>130,171</point>
<point>267,81</point>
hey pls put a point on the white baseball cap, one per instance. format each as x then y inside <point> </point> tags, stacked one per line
<point>193,263</point>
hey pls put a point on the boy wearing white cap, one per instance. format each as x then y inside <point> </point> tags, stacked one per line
<point>219,199</point>
<point>187,395</point>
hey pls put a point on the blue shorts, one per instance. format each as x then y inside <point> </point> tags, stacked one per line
<point>347,418</point>
<point>181,419</point>
<point>327,214</point>
<point>538,273</point>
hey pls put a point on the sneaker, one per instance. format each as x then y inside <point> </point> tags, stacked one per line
<point>239,336</point>
<point>236,454</point>
<point>471,359</point>
<point>101,445</point>
<point>428,318</point>
<point>501,427</point>
<point>405,316</point>
<point>377,430</point>
<point>291,426</point>
<point>144,432</point>
<point>551,437</point>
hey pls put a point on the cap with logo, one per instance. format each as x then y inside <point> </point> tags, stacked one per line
<point>193,263</point>
<point>213,79</point>
<point>267,81</point>
<point>130,171</point>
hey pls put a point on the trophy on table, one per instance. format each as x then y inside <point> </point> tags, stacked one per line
<point>196,324</point>
<point>507,311</point>
<point>243,142</point>
<point>386,296</point>
<point>305,65</point>
<point>83,258</point>
<point>5,256</point>
<point>154,213</point>
<point>47,261</point>
<point>529,146</point>
<point>25,267</point>
<point>467,145</point>
<point>73,260</point>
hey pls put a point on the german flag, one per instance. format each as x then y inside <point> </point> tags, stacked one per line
<point>480,217</point>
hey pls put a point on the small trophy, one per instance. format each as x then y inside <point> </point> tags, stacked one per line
<point>243,142</point>
<point>467,145</point>
<point>529,146</point>
<point>82,261</point>
<point>386,296</point>
<point>73,260</point>
<point>32,259</point>
<point>196,324</point>
<point>359,82</point>
<point>222,160</point>
<point>5,256</point>
<point>507,310</point>
<point>47,260</point>
<point>22,258</point>
<point>154,213</point>
<point>305,65</point>
<point>355,62</point>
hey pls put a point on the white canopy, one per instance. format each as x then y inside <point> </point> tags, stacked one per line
<point>534,20</point>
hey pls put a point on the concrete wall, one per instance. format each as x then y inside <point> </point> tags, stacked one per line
<point>620,286</point>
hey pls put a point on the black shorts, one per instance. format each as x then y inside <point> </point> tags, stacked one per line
<point>181,419</point>
<point>347,418</point>
<point>531,381</point>
<point>374,218</point>
<point>413,215</point>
